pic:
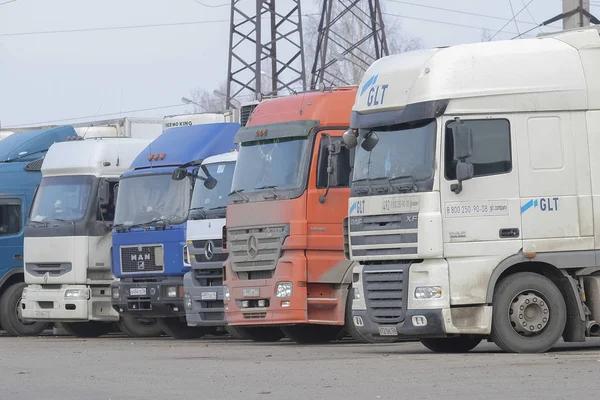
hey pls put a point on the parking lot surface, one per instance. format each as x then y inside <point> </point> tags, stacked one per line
<point>115,368</point>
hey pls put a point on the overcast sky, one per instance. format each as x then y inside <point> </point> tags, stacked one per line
<point>46,77</point>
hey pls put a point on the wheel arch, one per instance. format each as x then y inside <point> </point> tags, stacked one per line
<point>575,328</point>
<point>12,276</point>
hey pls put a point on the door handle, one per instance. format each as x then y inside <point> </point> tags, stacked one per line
<point>18,257</point>
<point>509,232</point>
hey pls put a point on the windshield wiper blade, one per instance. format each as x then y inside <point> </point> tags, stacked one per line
<point>412,186</point>
<point>217,208</point>
<point>44,222</point>
<point>239,193</point>
<point>271,188</point>
<point>201,210</point>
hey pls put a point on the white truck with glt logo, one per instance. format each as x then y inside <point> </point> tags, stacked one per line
<point>474,202</point>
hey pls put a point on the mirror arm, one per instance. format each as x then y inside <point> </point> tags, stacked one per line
<point>324,196</point>
<point>456,187</point>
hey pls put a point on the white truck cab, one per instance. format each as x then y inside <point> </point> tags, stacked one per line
<point>68,234</point>
<point>475,196</point>
<point>203,284</point>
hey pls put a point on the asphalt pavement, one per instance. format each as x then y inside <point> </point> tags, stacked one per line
<point>119,368</point>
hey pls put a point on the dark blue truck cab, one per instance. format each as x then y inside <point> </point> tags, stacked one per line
<point>150,222</point>
<point>21,157</point>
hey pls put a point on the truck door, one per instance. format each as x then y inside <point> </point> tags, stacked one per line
<point>324,219</point>
<point>482,223</point>
<point>12,221</point>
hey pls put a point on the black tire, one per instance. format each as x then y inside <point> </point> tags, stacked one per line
<point>178,328</point>
<point>139,327</point>
<point>90,329</point>
<point>307,333</point>
<point>234,333</point>
<point>508,295</point>
<point>455,344</point>
<point>10,302</point>
<point>258,334</point>
<point>354,332</point>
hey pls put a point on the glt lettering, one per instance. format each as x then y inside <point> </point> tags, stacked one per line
<point>549,204</point>
<point>358,206</point>
<point>376,95</point>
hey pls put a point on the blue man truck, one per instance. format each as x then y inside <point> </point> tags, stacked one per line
<point>149,235</point>
<point>21,157</point>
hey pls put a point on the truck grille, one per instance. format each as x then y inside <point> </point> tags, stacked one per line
<point>381,237</point>
<point>385,292</point>
<point>142,259</point>
<point>52,269</point>
<point>255,249</point>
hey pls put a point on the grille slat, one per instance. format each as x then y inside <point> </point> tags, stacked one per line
<point>142,259</point>
<point>255,249</point>
<point>369,232</point>
<point>385,293</point>
<point>52,269</point>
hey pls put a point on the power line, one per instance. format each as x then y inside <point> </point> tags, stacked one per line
<point>109,28</point>
<point>212,6</point>
<point>94,116</point>
<point>531,16</point>
<point>459,11</point>
<point>515,16</point>
<point>512,11</point>
<point>442,22</point>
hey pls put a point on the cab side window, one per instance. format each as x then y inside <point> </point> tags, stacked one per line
<point>491,148</point>
<point>344,163</point>
<point>10,217</point>
<point>107,213</point>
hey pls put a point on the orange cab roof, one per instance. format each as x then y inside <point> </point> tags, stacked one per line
<point>330,107</point>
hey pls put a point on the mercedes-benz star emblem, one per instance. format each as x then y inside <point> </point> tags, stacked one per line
<point>252,248</point>
<point>209,249</point>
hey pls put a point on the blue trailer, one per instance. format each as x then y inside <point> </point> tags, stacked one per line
<point>150,221</point>
<point>21,157</point>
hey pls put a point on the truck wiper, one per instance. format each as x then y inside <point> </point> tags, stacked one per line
<point>201,210</point>
<point>217,208</point>
<point>239,193</point>
<point>164,220</point>
<point>271,188</point>
<point>413,185</point>
<point>44,222</point>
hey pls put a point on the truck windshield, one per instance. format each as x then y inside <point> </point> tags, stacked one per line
<point>404,157</point>
<point>205,199</point>
<point>152,199</point>
<point>62,198</point>
<point>271,164</point>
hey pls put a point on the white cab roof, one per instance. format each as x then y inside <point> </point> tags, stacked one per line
<point>553,72</point>
<point>224,157</point>
<point>98,157</point>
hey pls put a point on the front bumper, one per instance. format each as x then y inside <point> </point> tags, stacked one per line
<point>51,305</point>
<point>153,301</point>
<point>417,324</point>
<point>204,304</point>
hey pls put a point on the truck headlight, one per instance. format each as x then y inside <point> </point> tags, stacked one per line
<point>356,293</point>
<point>428,292</point>
<point>24,293</point>
<point>188,301</point>
<point>172,291</point>
<point>115,293</point>
<point>226,295</point>
<point>77,294</point>
<point>283,290</point>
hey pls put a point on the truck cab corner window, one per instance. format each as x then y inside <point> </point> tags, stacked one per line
<point>106,209</point>
<point>491,149</point>
<point>10,217</point>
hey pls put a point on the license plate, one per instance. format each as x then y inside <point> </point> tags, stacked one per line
<point>389,330</point>
<point>42,314</point>
<point>209,295</point>
<point>137,291</point>
<point>251,292</point>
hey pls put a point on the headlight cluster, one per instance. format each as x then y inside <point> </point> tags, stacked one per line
<point>428,292</point>
<point>226,294</point>
<point>283,290</point>
<point>77,294</point>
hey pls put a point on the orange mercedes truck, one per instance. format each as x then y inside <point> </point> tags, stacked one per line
<point>286,274</point>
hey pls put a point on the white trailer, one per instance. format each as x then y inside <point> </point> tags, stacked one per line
<point>475,200</point>
<point>68,236</point>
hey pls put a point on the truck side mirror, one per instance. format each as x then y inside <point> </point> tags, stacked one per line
<point>370,141</point>
<point>462,137</point>
<point>210,183</point>
<point>179,174</point>
<point>464,172</point>
<point>333,167</point>
<point>350,139</point>
<point>103,192</point>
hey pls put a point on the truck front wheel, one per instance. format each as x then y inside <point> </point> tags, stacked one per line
<point>455,344</point>
<point>529,313</point>
<point>10,315</point>
<point>258,334</point>
<point>90,329</point>
<point>178,328</point>
<point>139,327</point>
